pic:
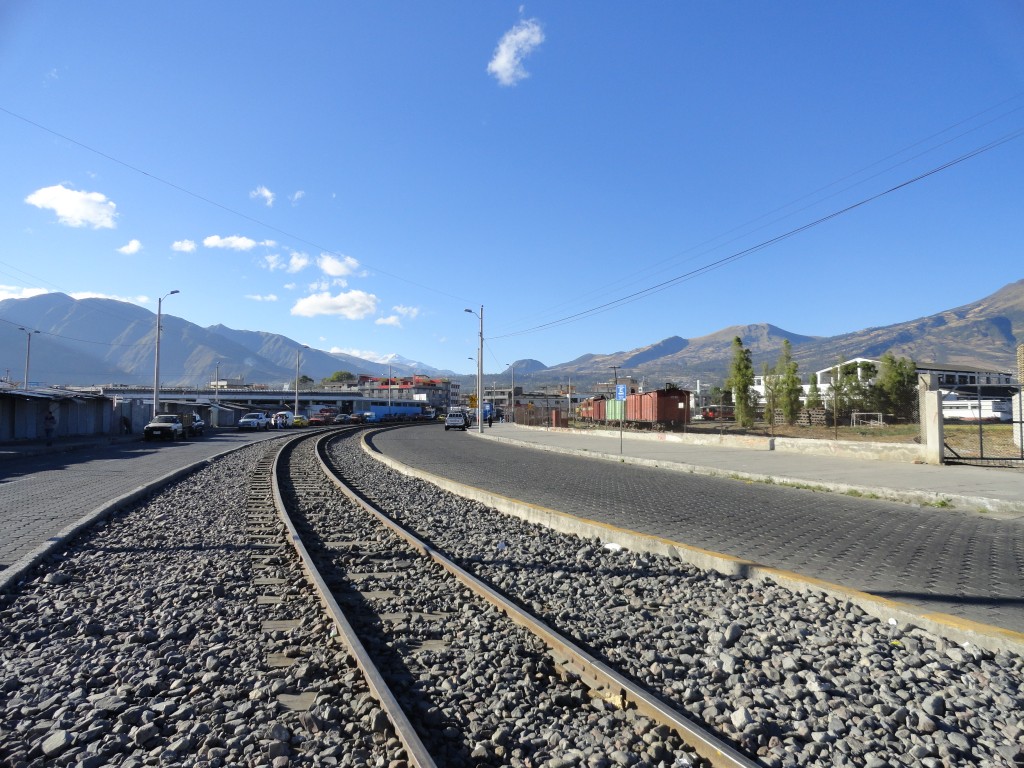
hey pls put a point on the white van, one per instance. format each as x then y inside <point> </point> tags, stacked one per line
<point>285,418</point>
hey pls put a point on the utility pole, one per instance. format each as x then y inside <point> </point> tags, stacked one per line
<point>156,364</point>
<point>216,396</point>
<point>28,351</point>
<point>480,373</point>
<point>298,352</point>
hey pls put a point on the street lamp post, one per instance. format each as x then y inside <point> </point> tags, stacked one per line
<point>480,373</point>
<point>28,350</point>
<point>156,363</point>
<point>216,396</point>
<point>297,353</point>
<point>513,367</point>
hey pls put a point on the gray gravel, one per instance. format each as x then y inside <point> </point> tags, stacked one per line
<point>484,690</point>
<point>143,644</point>
<point>795,679</point>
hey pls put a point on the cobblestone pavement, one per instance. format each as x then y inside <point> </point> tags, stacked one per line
<point>42,494</point>
<point>955,562</point>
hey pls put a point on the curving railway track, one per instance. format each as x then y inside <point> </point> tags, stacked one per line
<point>466,676</point>
<point>190,629</point>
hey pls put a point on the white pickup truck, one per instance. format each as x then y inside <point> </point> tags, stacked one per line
<point>254,421</point>
<point>456,420</point>
<point>166,426</point>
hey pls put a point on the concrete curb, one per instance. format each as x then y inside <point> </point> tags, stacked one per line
<point>1000,508</point>
<point>950,627</point>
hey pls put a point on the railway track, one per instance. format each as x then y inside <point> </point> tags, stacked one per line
<point>465,675</point>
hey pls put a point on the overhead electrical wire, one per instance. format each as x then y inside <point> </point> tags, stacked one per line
<point>209,201</point>
<point>629,298</point>
<point>665,264</point>
<point>636,296</point>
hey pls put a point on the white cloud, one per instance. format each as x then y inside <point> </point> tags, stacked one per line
<point>297,261</point>
<point>14,292</point>
<point>76,208</point>
<point>319,285</point>
<point>392,320</point>
<point>183,246</point>
<point>257,297</point>
<point>290,286</point>
<point>96,295</point>
<point>235,242</point>
<point>272,261</point>
<point>133,247</point>
<point>364,354</point>
<point>354,305</point>
<point>336,267</point>
<point>296,196</point>
<point>409,312</point>
<point>516,44</point>
<point>266,194</point>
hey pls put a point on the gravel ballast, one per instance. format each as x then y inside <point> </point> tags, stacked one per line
<point>143,644</point>
<point>796,679</point>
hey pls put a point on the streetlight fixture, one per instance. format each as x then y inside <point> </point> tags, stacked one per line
<point>480,373</point>
<point>513,367</point>
<point>298,352</point>
<point>156,363</point>
<point>28,350</point>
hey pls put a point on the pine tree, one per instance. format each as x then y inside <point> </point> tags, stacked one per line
<point>789,383</point>
<point>897,386</point>
<point>741,382</point>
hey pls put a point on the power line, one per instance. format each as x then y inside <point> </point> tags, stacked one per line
<point>209,201</point>
<point>636,296</point>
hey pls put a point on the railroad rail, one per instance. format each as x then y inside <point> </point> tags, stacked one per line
<point>350,574</point>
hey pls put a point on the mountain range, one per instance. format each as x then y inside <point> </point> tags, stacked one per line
<point>103,341</point>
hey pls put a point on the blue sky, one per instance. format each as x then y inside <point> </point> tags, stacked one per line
<point>355,175</point>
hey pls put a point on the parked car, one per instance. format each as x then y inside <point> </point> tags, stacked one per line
<point>299,421</point>
<point>341,418</point>
<point>254,421</point>
<point>317,420</point>
<point>284,417</point>
<point>456,420</point>
<point>194,425</point>
<point>166,426</point>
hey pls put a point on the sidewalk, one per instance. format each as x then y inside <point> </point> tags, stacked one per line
<point>994,491</point>
<point>17,449</point>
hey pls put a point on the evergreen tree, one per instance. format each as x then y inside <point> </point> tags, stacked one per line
<point>741,382</point>
<point>772,388</point>
<point>789,389</point>
<point>814,394</point>
<point>897,386</point>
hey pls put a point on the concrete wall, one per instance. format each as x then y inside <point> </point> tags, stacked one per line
<point>901,452</point>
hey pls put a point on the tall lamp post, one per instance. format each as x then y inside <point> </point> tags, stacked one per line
<point>28,350</point>
<point>156,363</point>
<point>480,374</point>
<point>297,353</point>
<point>216,396</point>
<point>513,367</point>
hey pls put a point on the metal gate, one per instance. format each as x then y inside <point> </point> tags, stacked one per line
<point>975,432</point>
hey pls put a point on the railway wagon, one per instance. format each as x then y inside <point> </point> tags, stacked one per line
<point>658,409</point>
<point>585,410</point>
<point>614,410</point>
<point>663,407</point>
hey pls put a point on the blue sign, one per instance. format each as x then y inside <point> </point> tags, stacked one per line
<point>620,391</point>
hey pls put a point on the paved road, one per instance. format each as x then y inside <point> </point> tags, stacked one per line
<point>958,562</point>
<point>42,493</point>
